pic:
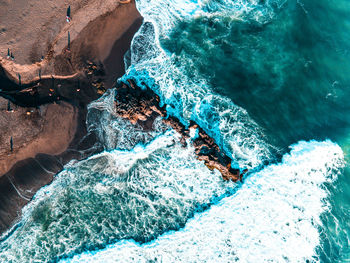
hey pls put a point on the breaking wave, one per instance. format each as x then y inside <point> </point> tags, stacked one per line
<point>273,217</point>
<point>190,97</point>
<point>115,195</point>
<point>146,198</point>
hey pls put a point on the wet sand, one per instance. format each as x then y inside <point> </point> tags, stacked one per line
<point>48,129</point>
<point>48,121</point>
<point>94,29</point>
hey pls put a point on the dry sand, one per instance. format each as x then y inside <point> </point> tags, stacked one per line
<point>36,28</point>
<point>48,130</point>
<point>55,130</point>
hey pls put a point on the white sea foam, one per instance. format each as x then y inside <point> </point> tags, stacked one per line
<point>190,98</point>
<point>115,195</point>
<point>115,132</point>
<point>273,217</point>
<point>141,191</point>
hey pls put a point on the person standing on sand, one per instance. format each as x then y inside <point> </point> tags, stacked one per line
<point>9,106</point>
<point>68,18</point>
<point>11,144</point>
<point>8,53</point>
<point>68,46</point>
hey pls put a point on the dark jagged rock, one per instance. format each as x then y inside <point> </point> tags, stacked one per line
<point>138,106</point>
<point>142,107</point>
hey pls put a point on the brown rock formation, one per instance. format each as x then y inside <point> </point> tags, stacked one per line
<point>142,107</point>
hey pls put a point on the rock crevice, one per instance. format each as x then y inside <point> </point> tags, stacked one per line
<point>141,106</point>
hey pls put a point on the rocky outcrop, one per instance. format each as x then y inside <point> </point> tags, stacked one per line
<point>142,107</point>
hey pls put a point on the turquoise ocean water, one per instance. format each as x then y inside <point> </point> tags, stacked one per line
<point>269,80</point>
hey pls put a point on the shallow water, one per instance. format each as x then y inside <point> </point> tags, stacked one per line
<point>269,81</point>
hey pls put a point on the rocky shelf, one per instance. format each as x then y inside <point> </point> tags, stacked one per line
<point>142,106</point>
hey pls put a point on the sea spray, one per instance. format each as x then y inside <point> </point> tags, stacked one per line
<point>126,197</point>
<point>115,195</point>
<point>114,132</point>
<point>273,217</point>
<point>190,97</point>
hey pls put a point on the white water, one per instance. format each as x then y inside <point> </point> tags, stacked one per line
<point>139,192</point>
<point>273,217</point>
<point>115,195</point>
<point>115,132</point>
<point>191,98</point>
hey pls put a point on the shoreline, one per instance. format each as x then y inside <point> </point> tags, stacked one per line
<point>72,80</point>
<point>61,135</point>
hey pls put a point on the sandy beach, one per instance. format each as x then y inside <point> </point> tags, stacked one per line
<point>49,129</point>
<point>38,37</point>
<point>48,109</point>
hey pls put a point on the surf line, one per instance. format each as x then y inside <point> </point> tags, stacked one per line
<point>141,106</point>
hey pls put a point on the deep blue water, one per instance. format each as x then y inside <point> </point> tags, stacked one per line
<point>268,80</point>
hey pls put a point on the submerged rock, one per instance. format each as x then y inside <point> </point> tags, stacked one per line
<point>141,106</point>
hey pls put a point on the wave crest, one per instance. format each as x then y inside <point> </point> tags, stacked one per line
<point>273,217</point>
